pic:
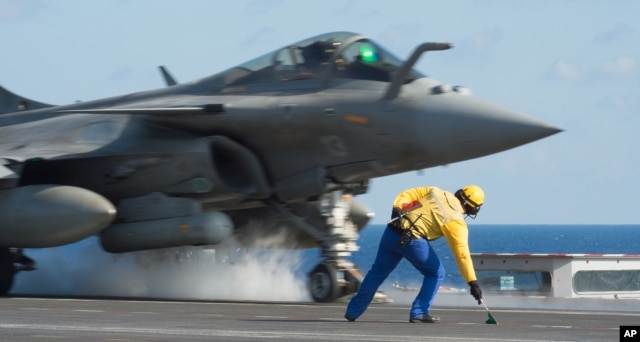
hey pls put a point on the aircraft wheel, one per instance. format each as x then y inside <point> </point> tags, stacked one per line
<point>7,271</point>
<point>323,283</point>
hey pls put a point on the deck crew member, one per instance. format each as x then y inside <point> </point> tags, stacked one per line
<point>421,215</point>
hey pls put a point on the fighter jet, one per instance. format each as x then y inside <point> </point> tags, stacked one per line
<point>278,146</point>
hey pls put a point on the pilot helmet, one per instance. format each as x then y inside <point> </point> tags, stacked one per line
<point>471,197</point>
<point>320,51</point>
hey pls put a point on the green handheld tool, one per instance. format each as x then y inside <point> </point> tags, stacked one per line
<point>491,319</point>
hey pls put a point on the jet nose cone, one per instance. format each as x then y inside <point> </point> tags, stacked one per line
<point>473,128</point>
<point>503,128</point>
<point>531,131</point>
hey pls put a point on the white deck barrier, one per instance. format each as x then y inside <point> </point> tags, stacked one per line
<point>560,275</point>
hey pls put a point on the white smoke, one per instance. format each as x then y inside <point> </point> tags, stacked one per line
<point>225,273</point>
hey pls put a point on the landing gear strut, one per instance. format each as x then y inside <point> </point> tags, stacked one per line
<point>336,276</point>
<point>12,261</point>
<point>337,236</point>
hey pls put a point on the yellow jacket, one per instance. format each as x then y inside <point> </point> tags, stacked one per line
<point>441,214</point>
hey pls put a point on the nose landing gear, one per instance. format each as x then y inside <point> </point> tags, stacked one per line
<point>336,276</point>
<point>337,235</point>
<point>331,280</point>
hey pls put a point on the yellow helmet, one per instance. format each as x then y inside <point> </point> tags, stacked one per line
<point>472,198</point>
<point>474,195</point>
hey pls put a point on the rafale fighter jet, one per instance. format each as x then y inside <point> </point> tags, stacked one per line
<point>277,146</point>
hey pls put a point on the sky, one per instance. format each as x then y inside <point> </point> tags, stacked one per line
<point>573,64</point>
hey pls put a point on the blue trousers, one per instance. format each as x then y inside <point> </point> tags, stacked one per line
<point>419,253</point>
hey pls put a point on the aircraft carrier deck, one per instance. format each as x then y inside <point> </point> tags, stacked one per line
<point>109,319</point>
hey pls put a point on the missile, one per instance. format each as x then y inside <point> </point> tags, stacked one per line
<point>208,228</point>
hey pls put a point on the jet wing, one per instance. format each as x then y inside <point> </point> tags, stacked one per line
<point>10,102</point>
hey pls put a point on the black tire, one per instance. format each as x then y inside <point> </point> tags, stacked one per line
<point>323,283</point>
<point>7,271</point>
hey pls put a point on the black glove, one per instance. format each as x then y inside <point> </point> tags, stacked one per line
<point>476,291</point>
<point>395,212</point>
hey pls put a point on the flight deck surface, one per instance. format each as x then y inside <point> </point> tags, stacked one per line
<point>74,319</point>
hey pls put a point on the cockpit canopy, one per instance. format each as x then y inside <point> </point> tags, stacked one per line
<point>337,55</point>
